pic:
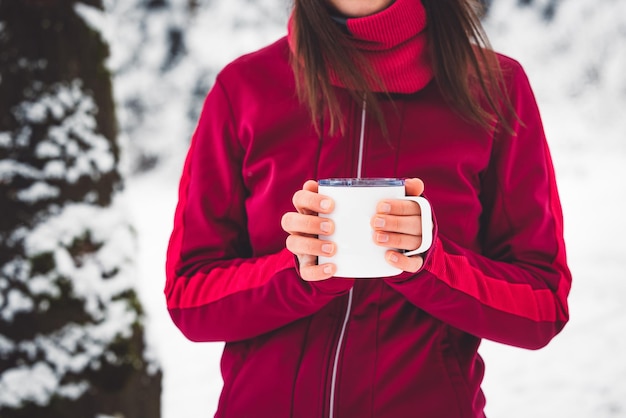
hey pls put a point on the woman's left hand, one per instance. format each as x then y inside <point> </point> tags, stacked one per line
<point>398,225</point>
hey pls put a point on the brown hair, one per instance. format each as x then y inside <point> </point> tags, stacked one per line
<point>466,68</point>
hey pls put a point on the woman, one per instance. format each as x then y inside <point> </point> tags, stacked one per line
<point>377,88</point>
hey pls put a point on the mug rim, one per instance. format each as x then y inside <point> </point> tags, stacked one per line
<point>360,182</point>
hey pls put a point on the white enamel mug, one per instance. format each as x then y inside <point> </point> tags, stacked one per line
<point>357,254</point>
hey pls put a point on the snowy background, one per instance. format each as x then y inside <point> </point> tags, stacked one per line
<point>165,55</point>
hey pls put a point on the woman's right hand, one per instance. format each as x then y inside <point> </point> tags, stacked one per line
<point>304,226</point>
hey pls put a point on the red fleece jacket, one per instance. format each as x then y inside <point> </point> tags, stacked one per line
<point>497,268</point>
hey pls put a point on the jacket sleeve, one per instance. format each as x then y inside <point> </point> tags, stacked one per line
<point>515,291</point>
<point>215,289</point>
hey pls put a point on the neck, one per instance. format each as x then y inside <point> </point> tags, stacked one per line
<point>394,43</point>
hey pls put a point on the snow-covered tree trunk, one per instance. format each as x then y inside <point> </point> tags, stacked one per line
<point>71,334</point>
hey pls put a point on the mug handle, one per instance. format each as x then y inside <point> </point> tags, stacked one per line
<point>427,225</point>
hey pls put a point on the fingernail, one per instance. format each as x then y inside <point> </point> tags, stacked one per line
<point>380,237</point>
<point>393,258</point>
<point>325,204</point>
<point>328,269</point>
<point>327,248</point>
<point>325,226</point>
<point>385,207</point>
<point>379,222</point>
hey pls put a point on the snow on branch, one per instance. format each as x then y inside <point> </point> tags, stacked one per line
<point>97,276</point>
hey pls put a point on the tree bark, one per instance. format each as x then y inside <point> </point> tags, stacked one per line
<point>59,152</point>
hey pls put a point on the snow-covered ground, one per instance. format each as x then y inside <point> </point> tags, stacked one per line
<point>582,373</point>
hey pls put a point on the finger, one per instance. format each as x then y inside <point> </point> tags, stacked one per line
<point>308,201</point>
<point>398,207</point>
<point>402,224</point>
<point>414,187</point>
<point>311,272</point>
<point>317,273</point>
<point>400,241</point>
<point>310,185</point>
<point>297,223</point>
<point>409,264</point>
<point>302,245</point>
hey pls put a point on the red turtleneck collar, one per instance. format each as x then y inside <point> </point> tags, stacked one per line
<point>394,43</point>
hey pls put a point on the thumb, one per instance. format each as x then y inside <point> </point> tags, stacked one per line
<point>310,185</point>
<point>414,187</point>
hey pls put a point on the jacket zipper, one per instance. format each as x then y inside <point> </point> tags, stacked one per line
<point>359,169</point>
<point>333,382</point>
